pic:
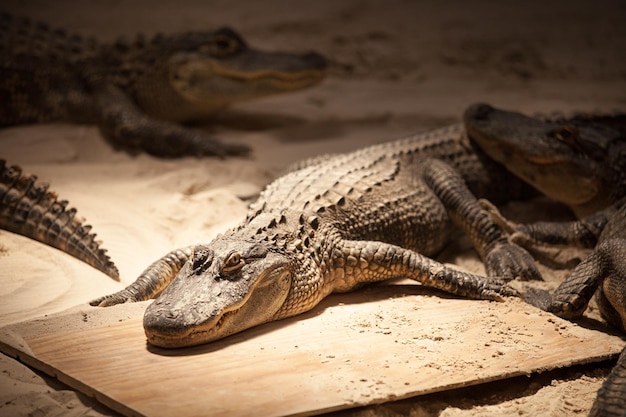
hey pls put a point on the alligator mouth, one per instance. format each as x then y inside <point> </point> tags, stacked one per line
<point>189,337</point>
<point>201,68</point>
<point>277,78</point>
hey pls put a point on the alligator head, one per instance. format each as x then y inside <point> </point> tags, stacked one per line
<point>577,161</point>
<point>210,70</point>
<point>225,287</point>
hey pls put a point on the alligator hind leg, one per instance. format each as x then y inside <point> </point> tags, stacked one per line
<point>572,296</point>
<point>502,258</point>
<point>604,268</point>
<point>583,233</point>
<point>151,282</point>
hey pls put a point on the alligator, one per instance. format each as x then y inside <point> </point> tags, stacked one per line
<point>138,92</point>
<point>334,224</point>
<point>581,162</point>
<point>29,208</point>
<point>603,272</point>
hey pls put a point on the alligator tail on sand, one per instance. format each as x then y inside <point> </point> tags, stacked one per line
<point>28,208</point>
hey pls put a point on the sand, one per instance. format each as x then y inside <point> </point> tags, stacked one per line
<point>397,67</point>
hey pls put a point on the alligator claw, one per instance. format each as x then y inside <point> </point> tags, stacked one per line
<point>510,261</point>
<point>120,297</point>
<point>500,287</point>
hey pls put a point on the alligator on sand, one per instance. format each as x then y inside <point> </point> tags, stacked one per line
<point>137,92</point>
<point>332,225</point>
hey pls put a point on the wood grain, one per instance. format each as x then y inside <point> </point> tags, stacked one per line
<point>371,346</point>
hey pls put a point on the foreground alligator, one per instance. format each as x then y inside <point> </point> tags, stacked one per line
<point>332,225</point>
<point>27,207</point>
<point>137,92</point>
<point>581,162</point>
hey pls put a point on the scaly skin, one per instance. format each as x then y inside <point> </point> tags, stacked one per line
<point>137,92</point>
<point>579,161</point>
<point>582,162</point>
<point>602,273</point>
<point>333,225</point>
<point>27,207</point>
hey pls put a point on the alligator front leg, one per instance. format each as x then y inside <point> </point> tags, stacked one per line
<point>358,262</point>
<point>583,233</point>
<point>501,257</point>
<point>151,282</point>
<point>605,267</point>
<point>127,126</point>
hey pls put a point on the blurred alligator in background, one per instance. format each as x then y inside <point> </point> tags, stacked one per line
<point>137,92</point>
<point>28,208</point>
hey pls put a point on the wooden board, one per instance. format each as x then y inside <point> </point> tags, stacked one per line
<point>371,346</point>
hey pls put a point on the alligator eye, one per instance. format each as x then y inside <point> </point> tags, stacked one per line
<point>222,45</point>
<point>233,262</point>
<point>565,134</point>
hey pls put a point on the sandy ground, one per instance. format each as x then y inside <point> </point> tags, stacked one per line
<point>396,67</point>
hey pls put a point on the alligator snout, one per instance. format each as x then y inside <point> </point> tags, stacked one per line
<point>162,319</point>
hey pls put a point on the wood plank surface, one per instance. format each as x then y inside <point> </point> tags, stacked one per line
<point>371,346</point>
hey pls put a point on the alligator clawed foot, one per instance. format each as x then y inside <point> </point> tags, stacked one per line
<point>510,261</point>
<point>119,297</point>
<point>501,287</point>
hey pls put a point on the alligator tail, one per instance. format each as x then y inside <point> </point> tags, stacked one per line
<point>28,208</point>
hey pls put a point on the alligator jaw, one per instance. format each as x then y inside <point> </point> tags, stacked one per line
<point>204,333</point>
<point>211,83</point>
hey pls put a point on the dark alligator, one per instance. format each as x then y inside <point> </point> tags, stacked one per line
<point>603,272</point>
<point>580,161</point>
<point>137,92</point>
<point>332,225</point>
<point>27,207</point>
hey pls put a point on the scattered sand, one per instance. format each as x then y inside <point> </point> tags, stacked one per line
<point>397,67</point>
